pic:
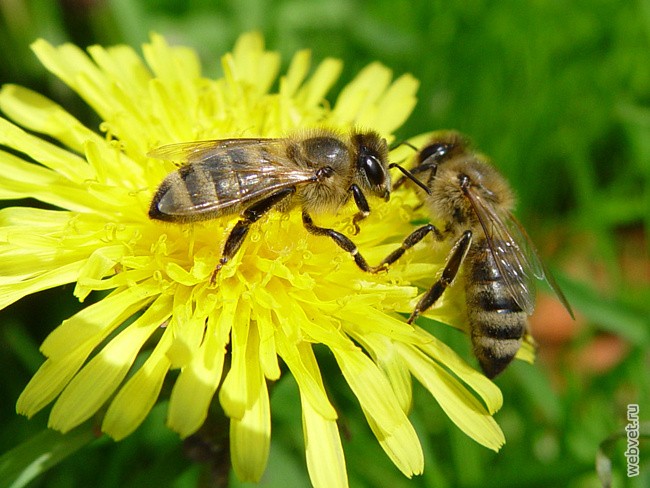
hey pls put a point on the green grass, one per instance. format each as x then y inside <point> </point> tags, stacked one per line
<point>557,93</point>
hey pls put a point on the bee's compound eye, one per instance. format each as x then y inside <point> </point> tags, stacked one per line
<point>435,151</point>
<point>373,169</point>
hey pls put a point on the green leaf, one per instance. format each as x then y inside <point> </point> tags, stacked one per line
<point>610,314</point>
<point>33,457</point>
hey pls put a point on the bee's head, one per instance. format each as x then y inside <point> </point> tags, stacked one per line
<point>464,185</point>
<point>371,152</point>
<point>443,146</point>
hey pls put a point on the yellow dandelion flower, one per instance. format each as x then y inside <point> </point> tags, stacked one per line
<point>284,292</point>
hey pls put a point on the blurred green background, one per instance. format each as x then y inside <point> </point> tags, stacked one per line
<point>557,93</point>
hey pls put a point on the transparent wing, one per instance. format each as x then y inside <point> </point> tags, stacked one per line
<point>223,174</point>
<point>540,270</point>
<point>196,151</point>
<point>514,253</point>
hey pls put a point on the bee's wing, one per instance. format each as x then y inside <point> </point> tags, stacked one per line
<point>515,254</point>
<point>540,271</point>
<point>261,168</point>
<point>195,151</point>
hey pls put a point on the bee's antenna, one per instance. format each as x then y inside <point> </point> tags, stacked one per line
<point>410,176</point>
<point>404,143</point>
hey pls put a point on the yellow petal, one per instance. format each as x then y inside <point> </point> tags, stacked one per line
<point>396,105</point>
<point>325,457</point>
<point>364,319</point>
<point>62,275</point>
<point>122,172</point>
<point>386,355</point>
<point>250,436</point>
<point>49,381</point>
<point>268,356</point>
<point>325,330</point>
<point>65,163</point>
<point>300,360</point>
<point>357,99</point>
<point>138,396</point>
<point>296,73</point>
<point>172,63</point>
<point>372,388</point>
<point>401,445</point>
<point>66,62</point>
<point>441,352</point>
<point>38,113</point>
<point>98,265</point>
<point>34,242</point>
<point>24,180</point>
<point>253,64</point>
<point>527,350</point>
<point>188,327</point>
<point>124,67</point>
<point>458,403</point>
<point>166,107</point>
<point>181,275</point>
<point>13,218</point>
<point>98,380</point>
<point>195,386</point>
<point>234,391</point>
<point>314,90</point>
<point>96,321</point>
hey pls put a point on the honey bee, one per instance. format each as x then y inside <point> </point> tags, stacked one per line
<point>315,170</point>
<point>500,262</point>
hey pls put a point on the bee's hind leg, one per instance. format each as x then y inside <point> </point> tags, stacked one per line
<point>249,216</point>
<point>454,260</point>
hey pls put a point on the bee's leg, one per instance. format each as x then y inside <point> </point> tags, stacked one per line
<point>362,205</point>
<point>342,241</point>
<point>411,240</point>
<point>249,216</point>
<point>454,260</point>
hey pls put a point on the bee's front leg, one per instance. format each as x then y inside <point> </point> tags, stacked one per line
<point>342,241</point>
<point>362,205</point>
<point>411,240</point>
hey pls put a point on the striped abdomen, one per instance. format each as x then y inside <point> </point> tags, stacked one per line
<point>497,323</point>
<point>217,186</point>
